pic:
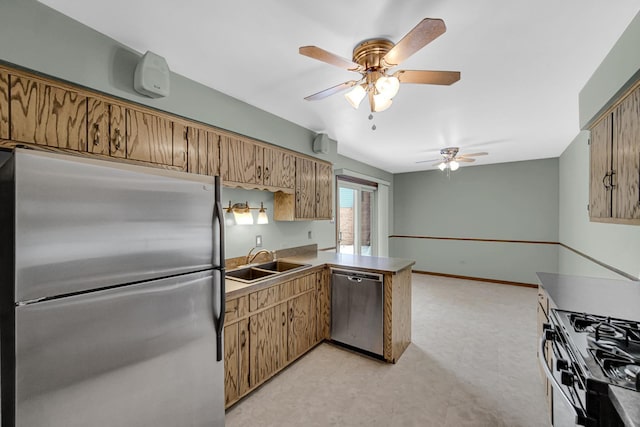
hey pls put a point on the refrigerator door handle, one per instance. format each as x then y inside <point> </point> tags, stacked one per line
<point>219,213</point>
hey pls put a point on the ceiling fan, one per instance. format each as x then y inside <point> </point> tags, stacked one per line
<point>374,57</point>
<point>451,160</point>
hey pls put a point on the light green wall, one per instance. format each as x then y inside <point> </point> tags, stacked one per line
<point>616,73</point>
<point>508,201</point>
<point>40,39</point>
<point>613,244</point>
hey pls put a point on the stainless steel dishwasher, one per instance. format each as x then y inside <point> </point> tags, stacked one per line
<point>356,309</point>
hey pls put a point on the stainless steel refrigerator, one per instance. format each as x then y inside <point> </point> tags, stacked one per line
<point>112,294</point>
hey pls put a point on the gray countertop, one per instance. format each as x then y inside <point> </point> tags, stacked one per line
<point>318,260</point>
<point>606,297</point>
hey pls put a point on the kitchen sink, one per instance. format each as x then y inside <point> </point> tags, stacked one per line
<point>249,274</point>
<point>265,270</point>
<point>280,266</point>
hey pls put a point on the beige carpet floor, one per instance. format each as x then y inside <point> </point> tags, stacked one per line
<point>472,362</point>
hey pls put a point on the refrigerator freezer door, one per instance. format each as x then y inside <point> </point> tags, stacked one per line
<point>135,356</point>
<point>84,225</point>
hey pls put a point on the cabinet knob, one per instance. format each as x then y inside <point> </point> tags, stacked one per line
<point>267,174</point>
<point>259,172</point>
<point>96,134</point>
<point>291,314</point>
<point>118,138</point>
<point>243,339</point>
<point>284,318</point>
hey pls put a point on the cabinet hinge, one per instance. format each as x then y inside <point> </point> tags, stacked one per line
<point>587,207</point>
<point>589,141</point>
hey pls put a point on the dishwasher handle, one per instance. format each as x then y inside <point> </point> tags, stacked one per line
<point>354,279</point>
<point>356,276</point>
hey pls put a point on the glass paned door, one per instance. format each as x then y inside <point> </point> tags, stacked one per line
<point>365,222</point>
<point>356,220</point>
<point>346,221</point>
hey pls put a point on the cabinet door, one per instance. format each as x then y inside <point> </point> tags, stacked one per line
<point>302,324</point>
<point>324,190</point>
<point>236,360</point>
<point>267,343</point>
<point>260,175</point>
<point>626,203</point>
<point>117,130</point>
<point>323,305</point>
<point>193,164</point>
<point>239,163</point>
<point>46,115</point>
<point>203,152</point>
<point>600,189</point>
<point>149,138</point>
<point>98,126</point>
<point>279,168</point>
<point>213,153</point>
<point>180,142</point>
<point>305,188</point>
<point>4,105</point>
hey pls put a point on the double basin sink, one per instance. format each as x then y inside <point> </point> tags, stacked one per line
<point>254,273</point>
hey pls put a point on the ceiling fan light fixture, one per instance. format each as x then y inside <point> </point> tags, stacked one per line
<point>381,102</point>
<point>355,96</point>
<point>442,166</point>
<point>453,165</point>
<point>388,86</point>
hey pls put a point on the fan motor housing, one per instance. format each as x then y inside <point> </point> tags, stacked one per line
<point>370,52</point>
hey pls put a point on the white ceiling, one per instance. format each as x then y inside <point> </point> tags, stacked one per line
<point>523,64</point>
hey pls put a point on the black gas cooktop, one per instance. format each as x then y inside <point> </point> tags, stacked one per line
<point>608,349</point>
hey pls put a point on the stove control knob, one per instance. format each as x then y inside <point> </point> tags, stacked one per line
<point>566,378</point>
<point>562,365</point>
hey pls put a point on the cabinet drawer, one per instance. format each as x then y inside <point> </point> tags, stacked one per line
<point>264,298</point>
<point>235,309</point>
<point>297,286</point>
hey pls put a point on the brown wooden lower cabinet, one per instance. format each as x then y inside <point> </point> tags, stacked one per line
<point>267,343</point>
<point>302,333</point>
<point>271,327</point>
<point>236,360</point>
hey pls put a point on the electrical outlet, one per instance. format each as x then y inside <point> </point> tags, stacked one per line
<point>258,241</point>
<point>309,234</point>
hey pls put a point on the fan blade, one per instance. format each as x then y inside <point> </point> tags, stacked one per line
<point>464,159</point>
<point>427,77</point>
<point>328,92</point>
<point>482,153</point>
<point>421,35</point>
<point>328,57</point>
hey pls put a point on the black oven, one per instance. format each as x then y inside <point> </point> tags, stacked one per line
<point>589,354</point>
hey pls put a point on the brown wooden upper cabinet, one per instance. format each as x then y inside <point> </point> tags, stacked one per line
<point>45,114</point>
<point>126,133</point>
<point>614,194</point>
<point>278,168</point>
<point>4,104</point>
<point>203,148</point>
<point>238,160</point>
<point>313,198</point>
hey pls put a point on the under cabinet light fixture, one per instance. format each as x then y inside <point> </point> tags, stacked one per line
<point>240,213</point>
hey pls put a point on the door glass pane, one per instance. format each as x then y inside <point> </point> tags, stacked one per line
<point>347,198</point>
<point>366,207</point>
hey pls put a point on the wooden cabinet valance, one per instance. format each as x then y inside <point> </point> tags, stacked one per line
<point>614,189</point>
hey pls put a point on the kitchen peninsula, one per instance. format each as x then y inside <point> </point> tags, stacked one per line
<point>274,321</point>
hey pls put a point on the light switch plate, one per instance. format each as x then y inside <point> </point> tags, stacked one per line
<point>258,241</point>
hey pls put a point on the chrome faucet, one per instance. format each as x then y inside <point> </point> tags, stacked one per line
<point>249,259</point>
